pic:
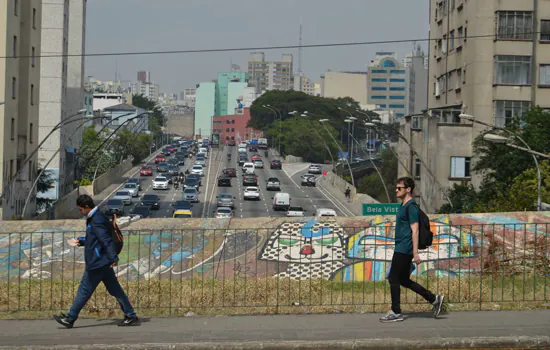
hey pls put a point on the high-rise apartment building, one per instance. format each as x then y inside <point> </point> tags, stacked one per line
<point>148,89</point>
<point>387,84</point>
<point>491,79</point>
<point>144,77</point>
<point>304,84</point>
<point>270,75</point>
<point>345,84</point>
<point>417,81</point>
<point>20,34</point>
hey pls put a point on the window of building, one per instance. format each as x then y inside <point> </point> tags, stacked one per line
<point>397,97</point>
<point>379,80</point>
<point>379,71</point>
<point>397,106</point>
<point>30,170</point>
<point>32,94</point>
<point>33,18</point>
<point>227,138</point>
<point>506,110</point>
<point>228,122</point>
<point>417,166</point>
<point>12,129</point>
<point>512,70</point>
<point>13,87</point>
<point>232,129</point>
<point>388,63</point>
<point>399,114</point>
<point>452,40</point>
<point>544,75</point>
<point>514,25</point>
<point>444,45</point>
<point>233,121</point>
<point>545,29</point>
<point>397,89</point>
<point>15,46</point>
<point>30,132</point>
<point>397,71</point>
<point>232,137</point>
<point>382,106</point>
<point>11,167</point>
<point>460,167</point>
<point>465,34</point>
<point>416,123</point>
<point>379,88</point>
<point>378,97</point>
<point>458,78</point>
<point>16,7</point>
<point>450,85</point>
<point>459,36</point>
<point>447,115</point>
<point>33,53</point>
<point>397,80</point>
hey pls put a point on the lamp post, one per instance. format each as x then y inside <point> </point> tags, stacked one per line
<point>280,124</point>
<point>322,121</point>
<point>305,115</point>
<point>373,125</point>
<point>528,150</point>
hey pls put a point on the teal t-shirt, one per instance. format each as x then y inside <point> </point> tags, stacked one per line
<point>403,232</point>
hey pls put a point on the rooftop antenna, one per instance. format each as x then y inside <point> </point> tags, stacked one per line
<point>300,49</point>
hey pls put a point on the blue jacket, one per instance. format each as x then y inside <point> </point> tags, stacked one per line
<point>99,249</point>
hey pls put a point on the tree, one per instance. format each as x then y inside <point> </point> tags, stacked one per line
<point>88,160</point>
<point>44,184</point>
<point>129,144</point>
<point>157,119</point>
<point>372,185</point>
<point>464,197</point>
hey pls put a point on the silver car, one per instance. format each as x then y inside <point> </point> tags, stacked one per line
<point>124,196</point>
<point>132,188</point>
<point>226,200</point>
<point>191,194</point>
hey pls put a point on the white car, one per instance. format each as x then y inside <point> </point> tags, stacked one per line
<point>200,162</point>
<point>325,212</point>
<point>124,196</point>
<point>248,168</point>
<point>314,169</point>
<point>202,155</point>
<point>160,183</point>
<point>197,169</point>
<point>259,163</point>
<point>132,188</point>
<point>224,213</point>
<point>295,211</point>
<point>251,192</point>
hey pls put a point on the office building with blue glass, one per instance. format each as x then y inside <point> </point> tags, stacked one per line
<point>387,84</point>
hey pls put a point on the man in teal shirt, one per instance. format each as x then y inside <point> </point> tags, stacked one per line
<point>406,250</point>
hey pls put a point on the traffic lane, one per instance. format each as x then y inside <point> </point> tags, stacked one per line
<point>254,208</point>
<point>236,188</point>
<point>318,198</point>
<point>209,183</point>
<point>266,197</point>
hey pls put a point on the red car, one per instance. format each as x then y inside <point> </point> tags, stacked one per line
<point>276,164</point>
<point>146,171</point>
<point>171,149</point>
<point>256,157</point>
<point>160,159</point>
<point>231,143</point>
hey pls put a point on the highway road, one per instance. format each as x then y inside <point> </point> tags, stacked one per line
<point>310,198</point>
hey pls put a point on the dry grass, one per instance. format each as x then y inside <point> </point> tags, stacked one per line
<point>35,299</point>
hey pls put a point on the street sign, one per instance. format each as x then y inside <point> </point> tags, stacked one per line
<point>380,209</point>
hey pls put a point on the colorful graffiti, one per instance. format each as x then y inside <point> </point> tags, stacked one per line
<point>343,249</point>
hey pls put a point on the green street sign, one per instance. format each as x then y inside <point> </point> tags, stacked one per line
<point>380,209</point>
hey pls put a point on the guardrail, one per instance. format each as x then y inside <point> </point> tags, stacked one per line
<point>296,267</point>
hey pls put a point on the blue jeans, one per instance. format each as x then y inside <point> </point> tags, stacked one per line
<point>90,281</point>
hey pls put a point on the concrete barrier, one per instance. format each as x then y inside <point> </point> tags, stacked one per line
<point>65,208</point>
<point>340,184</point>
<point>112,176</point>
<point>293,159</point>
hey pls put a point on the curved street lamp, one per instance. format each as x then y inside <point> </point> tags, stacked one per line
<point>400,135</point>
<point>305,115</point>
<point>280,116</point>
<point>539,177</point>
<point>322,121</point>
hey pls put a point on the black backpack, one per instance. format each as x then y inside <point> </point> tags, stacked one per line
<point>425,235</point>
<point>117,237</point>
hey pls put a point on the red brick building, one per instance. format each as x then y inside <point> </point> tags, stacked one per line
<point>233,127</point>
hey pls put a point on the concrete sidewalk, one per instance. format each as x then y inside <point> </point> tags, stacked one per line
<point>509,329</point>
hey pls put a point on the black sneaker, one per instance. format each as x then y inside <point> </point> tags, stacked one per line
<point>64,320</point>
<point>128,321</point>
<point>437,305</point>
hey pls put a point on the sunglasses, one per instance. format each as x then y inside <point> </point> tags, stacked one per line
<point>399,188</point>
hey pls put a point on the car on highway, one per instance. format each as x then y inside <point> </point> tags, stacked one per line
<point>160,159</point>
<point>202,153</point>
<point>201,162</point>
<point>182,214</point>
<point>173,169</point>
<point>141,211</point>
<point>115,206</point>
<point>281,200</point>
<point>181,205</point>
<point>191,194</point>
<point>162,167</point>
<point>250,180</point>
<point>248,168</point>
<point>307,180</point>
<point>314,169</point>
<point>146,171</point>
<point>295,211</point>
<point>124,196</point>
<point>259,163</point>
<point>325,212</point>
<point>160,183</point>
<point>251,192</point>
<point>256,157</point>
<point>224,181</point>
<point>181,158</point>
<point>172,149</point>
<point>231,172</point>
<point>196,177</point>
<point>166,151</point>
<point>151,201</point>
<point>134,180</point>
<point>191,183</point>
<point>132,188</point>
<point>226,200</point>
<point>197,169</point>
<point>173,161</point>
<point>276,164</point>
<point>223,213</point>
<point>273,184</point>
<point>243,160</point>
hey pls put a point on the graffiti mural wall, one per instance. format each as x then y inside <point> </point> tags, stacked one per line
<point>341,249</point>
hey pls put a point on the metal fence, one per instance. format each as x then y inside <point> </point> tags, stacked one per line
<point>296,267</point>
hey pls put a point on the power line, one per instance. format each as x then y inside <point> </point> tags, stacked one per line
<point>264,48</point>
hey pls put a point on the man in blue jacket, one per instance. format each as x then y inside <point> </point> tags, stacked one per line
<point>100,257</point>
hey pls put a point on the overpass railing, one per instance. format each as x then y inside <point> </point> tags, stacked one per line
<point>296,267</point>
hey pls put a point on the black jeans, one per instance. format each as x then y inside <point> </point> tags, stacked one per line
<point>400,275</point>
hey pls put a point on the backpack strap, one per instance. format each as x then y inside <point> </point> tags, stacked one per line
<point>408,205</point>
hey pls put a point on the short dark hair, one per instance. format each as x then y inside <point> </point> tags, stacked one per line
<point>407,182</point>
<point>85,201</point>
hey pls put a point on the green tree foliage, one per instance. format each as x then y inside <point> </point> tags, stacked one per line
<point>464,198</point>
<point>157,119</point>
<point>88,160</point>
<point>372,185</point>
<point>129,144</point>
<point>45,182</point>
